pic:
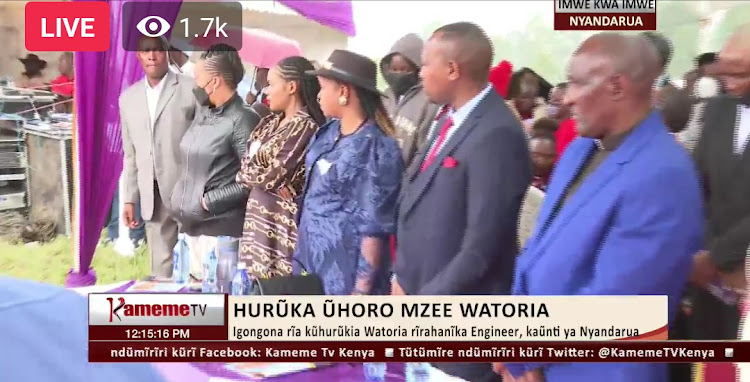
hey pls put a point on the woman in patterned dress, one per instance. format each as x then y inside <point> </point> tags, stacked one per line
<point>353,173</point>
<point>273,167</point>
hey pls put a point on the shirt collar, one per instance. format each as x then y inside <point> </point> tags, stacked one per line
<point>612,142</point>
<point>460,114</point>
<point>158,86</point>
<point>220,109</point>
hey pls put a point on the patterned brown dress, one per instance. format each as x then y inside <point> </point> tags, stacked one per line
<point>274,159</point>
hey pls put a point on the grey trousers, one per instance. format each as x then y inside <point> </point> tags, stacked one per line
<point>161,234</point>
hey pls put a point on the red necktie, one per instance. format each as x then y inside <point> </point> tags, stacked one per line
<point>439,142</point>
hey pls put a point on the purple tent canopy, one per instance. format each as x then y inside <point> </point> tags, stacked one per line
<point>100,79</point>
<point>335,14</point>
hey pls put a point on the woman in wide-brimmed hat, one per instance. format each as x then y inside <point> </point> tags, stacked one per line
<point>32,75</point>
<point>353,172</point>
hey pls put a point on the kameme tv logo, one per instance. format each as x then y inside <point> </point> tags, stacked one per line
<point>119,309</point>
<point>156,309</point>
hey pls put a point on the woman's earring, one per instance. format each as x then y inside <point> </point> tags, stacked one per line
<point>343,100</point>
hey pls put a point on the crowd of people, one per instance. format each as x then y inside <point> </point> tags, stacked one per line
<point>460,178</point>
<point>62,86</point>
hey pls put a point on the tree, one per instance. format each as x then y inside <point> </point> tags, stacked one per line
<point>547,51</point>
<point>680,22</point>
<point>539,47</point>
<point>430,28</point>
<point>736,16</point>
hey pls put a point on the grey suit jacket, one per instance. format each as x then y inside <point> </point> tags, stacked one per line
<point>154,155</point>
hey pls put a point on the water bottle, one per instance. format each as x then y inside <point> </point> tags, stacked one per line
<point>241,281</point>
<point>181,261</point>
<point>417,372</point>
<point>228,251</point>
<point>210,263</point>
<point>375,371</point>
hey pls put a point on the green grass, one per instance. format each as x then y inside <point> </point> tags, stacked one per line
<point>51,262</point>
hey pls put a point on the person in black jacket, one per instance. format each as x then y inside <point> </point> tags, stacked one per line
<point>207,201</point>
<point>723,160</point>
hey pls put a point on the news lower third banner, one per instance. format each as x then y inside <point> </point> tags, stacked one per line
<point>218,328</point>
<point>605,15</point>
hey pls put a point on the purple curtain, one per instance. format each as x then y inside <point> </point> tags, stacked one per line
<point>334,14</point>
<point>100,78</point>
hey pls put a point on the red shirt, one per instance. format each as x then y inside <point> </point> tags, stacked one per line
<point>62,85</point>
<point>565,134</point>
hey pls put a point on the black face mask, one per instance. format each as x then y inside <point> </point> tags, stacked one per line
<point>201,94</point>
<point>400,83</point>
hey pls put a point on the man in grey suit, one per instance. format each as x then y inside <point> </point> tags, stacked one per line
<point>461,195</point>
<point>155,114</point>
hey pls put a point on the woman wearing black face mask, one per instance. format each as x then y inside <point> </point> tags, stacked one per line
<point>410,110</point>
<point>207,201</point>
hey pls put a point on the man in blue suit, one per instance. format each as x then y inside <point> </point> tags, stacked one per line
<point>461,196</point>
<point>623,213</point>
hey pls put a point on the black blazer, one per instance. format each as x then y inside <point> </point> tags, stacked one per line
<point>458,219</point>
<point>726,182</point>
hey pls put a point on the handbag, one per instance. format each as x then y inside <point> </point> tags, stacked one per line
<point>305,284</point>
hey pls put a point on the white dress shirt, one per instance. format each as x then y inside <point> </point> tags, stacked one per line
<point>743,130</point>
<point>152,99</point>
<point>459,116</point>
<point>246,86</point>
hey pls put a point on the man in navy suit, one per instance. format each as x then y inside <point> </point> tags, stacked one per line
<point>460,199</point>
<point>623,213</point>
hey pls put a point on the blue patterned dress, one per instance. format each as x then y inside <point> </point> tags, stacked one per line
<point>352,185</point>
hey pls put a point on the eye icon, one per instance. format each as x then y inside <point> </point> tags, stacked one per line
<point>153,26</point>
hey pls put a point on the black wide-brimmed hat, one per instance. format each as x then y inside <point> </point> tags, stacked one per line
<point>351,68</point>
<point>33,59</point>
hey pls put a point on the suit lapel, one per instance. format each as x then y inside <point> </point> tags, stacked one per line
<point>416,164</point>
<point>140,106</point>
<point>733,125</point>
<point>411,172</point>
<point>590,187</point>
<point>585,194</point>
<point>725,128</point>
<point>564,177</point>
<point>170,85</point>
<point>420,181</point>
